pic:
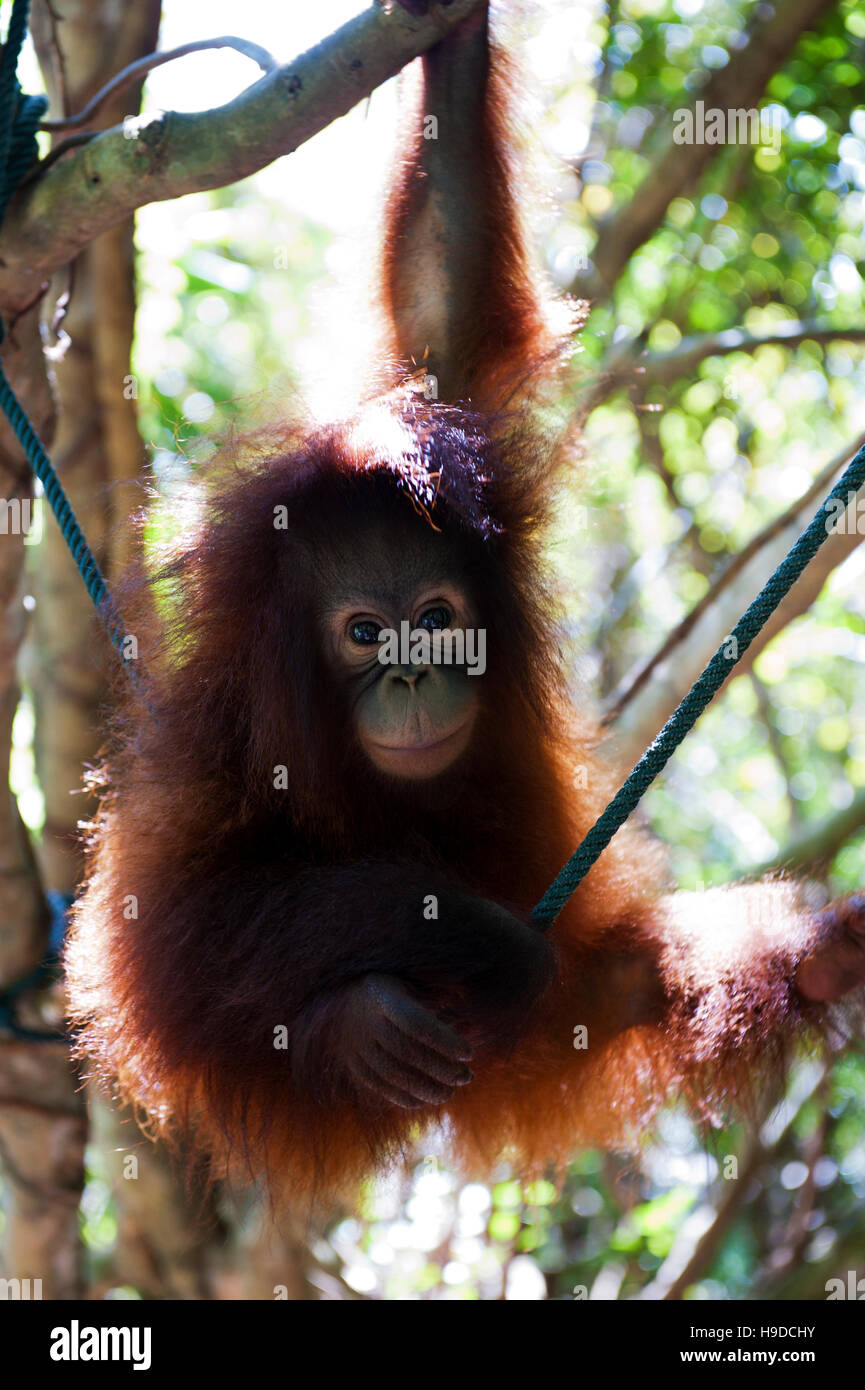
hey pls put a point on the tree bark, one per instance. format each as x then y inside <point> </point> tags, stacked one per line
<point>98,185</point>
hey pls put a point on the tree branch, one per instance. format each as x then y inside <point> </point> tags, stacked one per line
<point>740,84</point>
<point>142,66</point>
<point>680,361</point>
<point>696,1246</point>
<point>818,844</point>
<point>628,364</point>
<point>173,153</point>
<point>645,701</point>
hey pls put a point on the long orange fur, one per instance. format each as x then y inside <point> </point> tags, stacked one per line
<point>183,955</point>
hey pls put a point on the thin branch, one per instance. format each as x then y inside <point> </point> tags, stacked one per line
<point>602,87</point>
<point>174,153</point>
<point>790,1255</point>
<point>628,364</point>
<point>72,1110</point>
<point>776,744</point>
<point>819,843</point>
<point>693,1253</point>
<point>690,352</point>
<point>723,179</point>
<point>15,1174</point>
<point>139,69</point>
<point>772,36</point>
<point>56,152</point>
<point>56,52</point>
<point>635,681</point>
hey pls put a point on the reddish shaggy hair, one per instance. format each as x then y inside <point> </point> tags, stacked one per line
<point>219,906</point>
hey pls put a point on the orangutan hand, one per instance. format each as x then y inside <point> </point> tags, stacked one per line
<point>837,964</point>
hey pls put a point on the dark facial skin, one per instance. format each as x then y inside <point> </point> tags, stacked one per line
<point>412,721</point>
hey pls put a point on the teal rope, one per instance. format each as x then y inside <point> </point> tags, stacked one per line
<point>19,117</point>
<point>658,754</point>
<point>55,494</point>
<point>19,114</point>
<point>39,977</point>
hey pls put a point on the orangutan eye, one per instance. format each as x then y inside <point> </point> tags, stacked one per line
<point>365,633</point>
<point>434,619</point>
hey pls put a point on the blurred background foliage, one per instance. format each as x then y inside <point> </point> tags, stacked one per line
<point>675,476</point>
